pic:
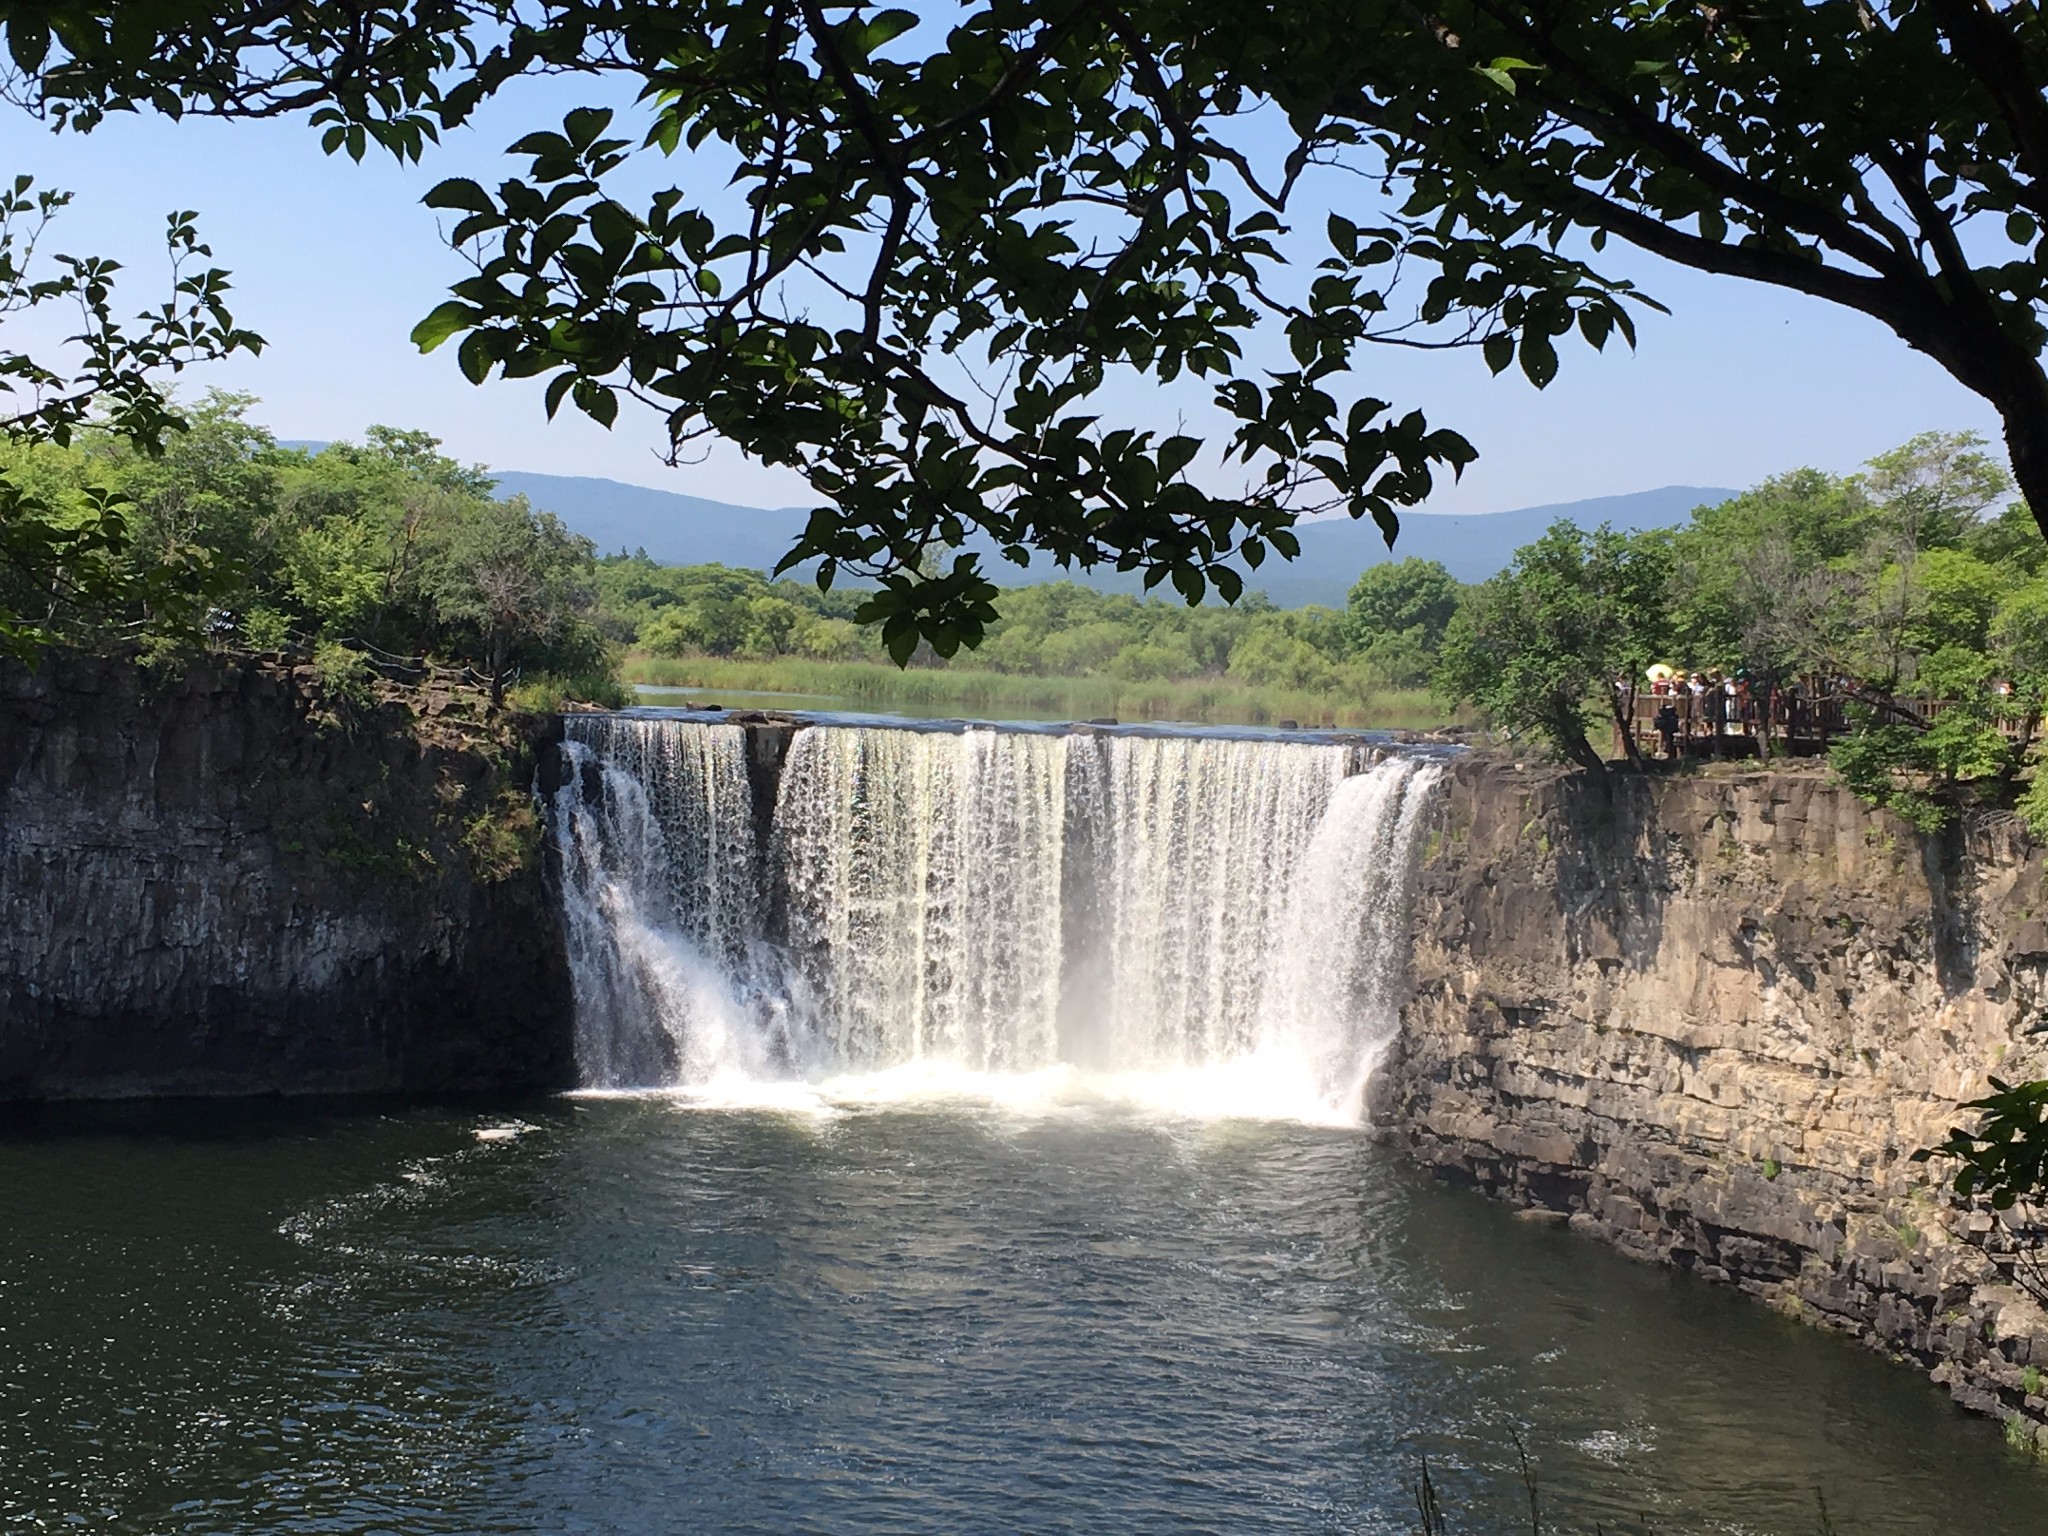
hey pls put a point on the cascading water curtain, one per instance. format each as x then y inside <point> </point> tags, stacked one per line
<point>921,876</point>
<point>661,901</point>
<point>999,901</point>
<point>1192,843</point>
<point>1337,969</point>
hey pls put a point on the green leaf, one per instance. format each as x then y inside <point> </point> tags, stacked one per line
<point>542,145</point>
<point>886,27</point>
<point>558,386</point>
<point>899,638</point>
<point>1343,236</point>
<point>461,194</point>
<point>1539,358</point>
<point>1502,72</point>
<point>582,126</point>
<point>28,40</point>
<point>1175,454</point>
<point>596,401</point>
<point>445,321</point>
<point>473,357</point>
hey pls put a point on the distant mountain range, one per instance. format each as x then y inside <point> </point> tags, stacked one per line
<point>676,529</point>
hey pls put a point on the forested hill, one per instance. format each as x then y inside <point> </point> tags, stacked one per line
<point>688,530</point>
<point>673,528</point>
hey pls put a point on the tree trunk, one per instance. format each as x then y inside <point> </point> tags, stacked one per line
<point>2026,439</point>
<point>1625,724</point>
<point>1569,731</point>
<point>500,656</point>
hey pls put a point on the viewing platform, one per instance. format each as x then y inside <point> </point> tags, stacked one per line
<point>1796,722</point>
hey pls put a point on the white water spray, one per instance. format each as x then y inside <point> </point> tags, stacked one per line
<point>1210,924</point>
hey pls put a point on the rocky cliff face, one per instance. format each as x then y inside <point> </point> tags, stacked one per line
<point>233,883</point>
<point>1708,1018</point>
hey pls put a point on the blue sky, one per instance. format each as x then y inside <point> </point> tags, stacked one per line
<point>334,262</point>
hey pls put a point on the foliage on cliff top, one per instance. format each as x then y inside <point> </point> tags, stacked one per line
<point>1534,646</point>
<point>385,544</point>
<point>1383,641</point>
<point>419,779</point>
<point>1916,577</point>
<point>66,557</point>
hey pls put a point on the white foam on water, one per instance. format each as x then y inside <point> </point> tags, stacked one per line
<point>1241,1089</point>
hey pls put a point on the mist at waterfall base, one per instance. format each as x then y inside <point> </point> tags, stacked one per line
<point>1206,925</point>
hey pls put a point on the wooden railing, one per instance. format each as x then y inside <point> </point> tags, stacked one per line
<point>1802,721</point>
<point>416,671</point>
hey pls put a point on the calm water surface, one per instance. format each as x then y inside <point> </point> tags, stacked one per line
<point>625,1315</point>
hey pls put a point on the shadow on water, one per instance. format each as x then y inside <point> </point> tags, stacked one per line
<point>254,1119</point>
<point>624,1315</point>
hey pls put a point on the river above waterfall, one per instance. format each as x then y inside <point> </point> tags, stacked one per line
<point>625,1315</point>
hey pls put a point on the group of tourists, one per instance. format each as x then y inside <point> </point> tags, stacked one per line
<point>1704,705</point>
<point>1719,712</point>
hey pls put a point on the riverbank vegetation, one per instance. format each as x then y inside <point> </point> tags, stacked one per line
<point>979,693</point>
<point>1915,577</point>
<point>1059,648</point>
<point>392,550</point>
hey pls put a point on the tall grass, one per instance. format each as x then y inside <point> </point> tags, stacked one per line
<point>972,691</point>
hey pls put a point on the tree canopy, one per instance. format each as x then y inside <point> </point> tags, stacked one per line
<point>953,234</point>
<point>1539,646</point>
<point>63,557</point>
<point>385,543</point>
<point>1893,584</point>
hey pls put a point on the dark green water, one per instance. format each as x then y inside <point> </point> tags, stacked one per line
<point>635,1317</point>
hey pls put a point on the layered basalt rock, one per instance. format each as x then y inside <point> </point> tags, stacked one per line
<point>227,882</point>
<point>1709,1017</point>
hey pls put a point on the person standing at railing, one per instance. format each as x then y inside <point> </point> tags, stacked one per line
<point>1667,726</point>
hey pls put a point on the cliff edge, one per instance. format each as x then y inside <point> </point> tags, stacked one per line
<point>240,880</point>
<point>1708,1017</point>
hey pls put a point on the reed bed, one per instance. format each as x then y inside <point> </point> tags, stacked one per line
<point>973,691</point>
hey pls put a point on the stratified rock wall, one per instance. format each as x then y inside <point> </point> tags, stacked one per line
<point>214,885</point>
<point>1709,1017</point>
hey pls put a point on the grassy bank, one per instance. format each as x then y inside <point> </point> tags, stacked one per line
<point>878,686</point>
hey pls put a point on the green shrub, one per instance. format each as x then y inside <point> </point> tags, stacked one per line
<point>1889,766</point>
<point>344,675</point>
<point>503,839</point>
<point>266,629</point>
<point>548,694</point>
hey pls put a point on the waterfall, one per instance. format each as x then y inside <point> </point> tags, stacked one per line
<point>922,880</point>
<point>661,903</point>
<point>992,901</point>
